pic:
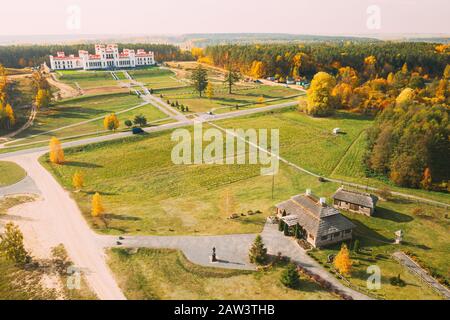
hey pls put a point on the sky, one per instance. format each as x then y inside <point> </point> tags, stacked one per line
<point>349,17</point>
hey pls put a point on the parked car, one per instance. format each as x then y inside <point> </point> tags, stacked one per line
<point>137,131</point>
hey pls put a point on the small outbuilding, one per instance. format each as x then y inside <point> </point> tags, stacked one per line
<point>336,130</point>
<point>355,201</point>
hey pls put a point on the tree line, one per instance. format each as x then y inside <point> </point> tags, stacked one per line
<point>21,56</point>
<point>284,60</point>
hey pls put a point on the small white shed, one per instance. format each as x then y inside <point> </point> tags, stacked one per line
<point>336,130</point>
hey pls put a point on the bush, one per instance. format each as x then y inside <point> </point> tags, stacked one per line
<point>289,277</point>
<point>128,123</point>
<point>397,281</point>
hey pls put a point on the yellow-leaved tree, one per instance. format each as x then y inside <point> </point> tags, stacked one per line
<point>342,261</point>
<point>97,205</point>
<point>405,97</point>
<point>42,98</point>
<point>78,180</point>
<point>111,122</point>
<point>320,98</point>
<point>10,115</point>
<point>210,90</point>
<point>56,151</point>
<point>257,69</point>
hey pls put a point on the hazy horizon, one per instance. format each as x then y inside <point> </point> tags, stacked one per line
<point>321,17</point>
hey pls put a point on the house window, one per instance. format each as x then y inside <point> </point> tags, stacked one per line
<point>336,234</point>
<point>324,238</point>
<point>348,231</point>
<point>354,207</point>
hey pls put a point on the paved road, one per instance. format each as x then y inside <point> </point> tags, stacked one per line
<point>277,242</point>
<point>417,270</point>
<point>24,186</point>
<point>231,250</point>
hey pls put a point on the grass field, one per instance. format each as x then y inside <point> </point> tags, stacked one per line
<point>86,79</point>
<point>10,173</point>
<point>155,78</point>
<point>243,96</point>
<point>166,274</point>
<point>73,111</point>
<point>425,234</point>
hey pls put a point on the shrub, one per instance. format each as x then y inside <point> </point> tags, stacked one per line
<point>397,281</point>
<point>128,123</point>
<point>289,277</point>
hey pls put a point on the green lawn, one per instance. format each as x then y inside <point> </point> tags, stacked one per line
<point>87,79</point>
<point>10,173</point>
<point>244,96</point>
<point>426,235</point>
<point>166,274</point>
<point>73,111</point>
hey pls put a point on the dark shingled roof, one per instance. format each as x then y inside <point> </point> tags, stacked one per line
<point>355,197</point>
<point>319,220</point>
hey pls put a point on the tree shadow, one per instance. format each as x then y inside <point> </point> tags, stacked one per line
<point>414,245</point>
<point>113,216</point>
<point>387,214</point>
<point>82,164</point>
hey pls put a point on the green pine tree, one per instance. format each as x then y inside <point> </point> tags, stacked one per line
<point>258,253</point>
<point>286,229</point>
<point>289,277</point>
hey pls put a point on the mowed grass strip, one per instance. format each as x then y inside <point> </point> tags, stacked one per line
<point>148,274</point>
<point>77,110</point>
<point>10,173</point>
<point>87,79</point>
<point>242,96</point>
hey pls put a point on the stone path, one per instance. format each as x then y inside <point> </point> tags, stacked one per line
<point>417,270</point>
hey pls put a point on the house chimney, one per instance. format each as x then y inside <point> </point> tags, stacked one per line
<point>308,192</point>
<point>323,202</point>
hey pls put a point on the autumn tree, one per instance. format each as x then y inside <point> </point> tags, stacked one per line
<point>199,78</point>
<point>11,245</point>
<point>43,98</point>
<point>97,205</point>
<point>111,122</point>
<point>426,182</point>
<point>370,66</point>
<point>258,253</point>
<point>210,90</point>
<point>446,74</point>
<point>78,180</point>
<point>405,97</point>
<point>342,261</point>
<point>231,78</point>
<point>7,116</point>
<point>320,99</point>
<point>257,69</point>
<point>56,151</point>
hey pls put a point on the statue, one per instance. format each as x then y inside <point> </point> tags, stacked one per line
<point>213,257</point>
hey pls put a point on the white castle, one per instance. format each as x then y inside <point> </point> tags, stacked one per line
<point>105,57</point>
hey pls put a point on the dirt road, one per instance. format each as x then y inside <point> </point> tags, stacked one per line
<point>56,219</point>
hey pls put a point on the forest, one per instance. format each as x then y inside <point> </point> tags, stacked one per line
<point>404,85</point>
<point>22,56</point>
